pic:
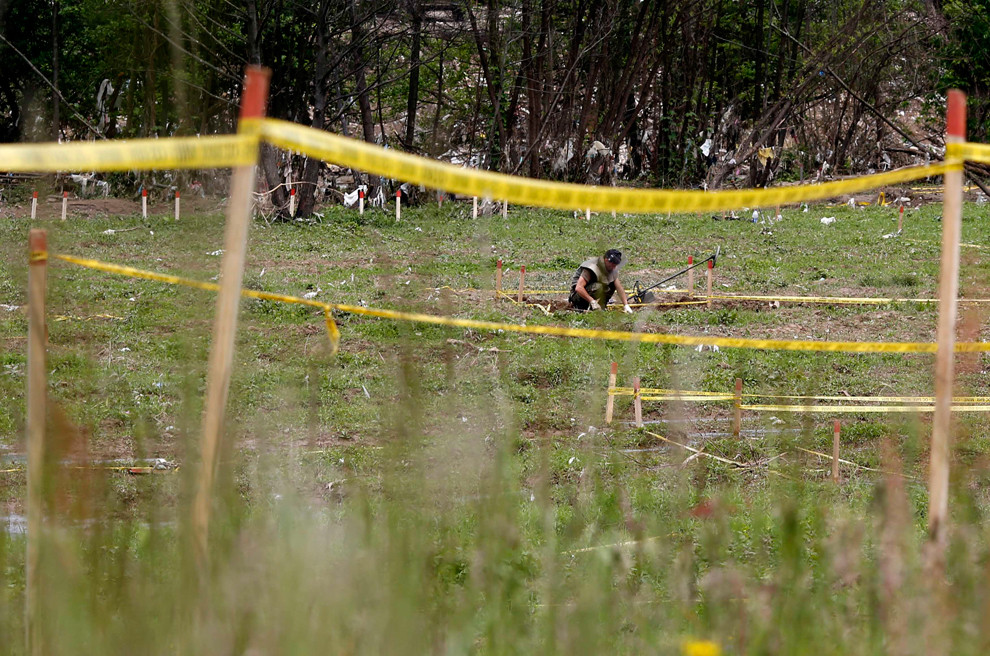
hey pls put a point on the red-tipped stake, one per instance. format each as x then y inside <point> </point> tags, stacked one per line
<point>65,203</point>
<point>610,399</point>
<point>708,284</point>
<point>37,391</point>
<point>948,291</point>
<point>398,205</point>
<point>690,275</point>
<point>361,201</point>
<point>292,201</point>
<point>637,403</point>
<point>737,408</point>
<point>144,203</point>
<point>176,204</point>
<point>221,359</point>
<point>34,205</point>
<point>498,279</point>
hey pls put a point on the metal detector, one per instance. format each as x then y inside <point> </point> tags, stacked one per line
<point>645,295</point>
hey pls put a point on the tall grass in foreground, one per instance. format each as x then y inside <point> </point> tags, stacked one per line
<point>452,547</point>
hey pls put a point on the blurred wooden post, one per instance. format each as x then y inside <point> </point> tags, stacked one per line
<point>938,484</point>
<point>835,452</point>
<point>221,358</point>
<point>176,204</point>
<point>737,409</point>
<point>637,403</point>
<point>292,202</point>
<point>690,289</point>
<point>65,203</point>
<point>498,279</point>
<point>37,391</point>
<point>144,203</point>
<point>610,401</point>
<point>505,209</point>
<point>398,205</point>
<point>587,214</point>
<point>34,205</point>
<point>522,282</point>
<point>708,284</point>
<point>474,207</point>
<point>361,202</point>
<point>900,219</point>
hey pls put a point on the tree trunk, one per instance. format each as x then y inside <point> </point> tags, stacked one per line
<point>56,118</point>
<point>415,25</point>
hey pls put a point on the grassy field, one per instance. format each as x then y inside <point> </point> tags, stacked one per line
<point>443,490</point>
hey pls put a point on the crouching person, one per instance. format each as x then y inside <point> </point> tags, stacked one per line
<point>596,280</point>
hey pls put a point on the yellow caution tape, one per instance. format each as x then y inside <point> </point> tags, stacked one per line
<point>863,408</point>
<point>683,394</point>
<point>70,317</point>
<point>973,152</point>
<point>688,398</point>
<point>332,332</point>
<point>137,154</point>
<point>540,193</point>
<point>557,331</point>
<point>839,300</point>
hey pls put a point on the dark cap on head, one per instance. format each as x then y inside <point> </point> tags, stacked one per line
<point>613,256</point>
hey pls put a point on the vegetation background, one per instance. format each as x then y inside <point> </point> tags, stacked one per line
<point>521,86</point>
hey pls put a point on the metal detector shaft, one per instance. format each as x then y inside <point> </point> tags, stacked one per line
<point>713,257</point>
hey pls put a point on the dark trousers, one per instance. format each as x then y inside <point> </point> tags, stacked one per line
<point>598,291</point>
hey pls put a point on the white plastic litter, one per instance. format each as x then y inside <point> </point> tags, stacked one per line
<point>828,220</point>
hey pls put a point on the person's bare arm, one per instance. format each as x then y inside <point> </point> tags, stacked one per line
<point>580,288</point>
<point>622,292</point>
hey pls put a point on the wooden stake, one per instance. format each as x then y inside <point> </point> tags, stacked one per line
<point>690,289</point>
<point>34,205</point>
<point>610,399</point>
<point>361,202</point>
<point>65,203</point>
<point>938,484</point>
<point>498,280</point>
<point>37,391</point>
<point>637,403</point>
<point>176,204</point>
<point>587,214</point>
<point>292,202</point>
<point>474,207</point>
<point>522,281</point>
<point>225,324</point>
<point>505,209</point>
<point>737,409</point>
<point>144,203</point>
<point>439,199</point>
<point>708,283</point>
<point>835,452</point>
<point>900,219</point>
<point>398,205</point>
